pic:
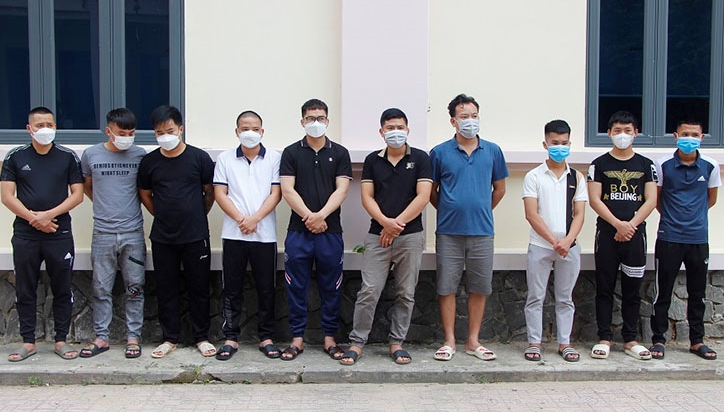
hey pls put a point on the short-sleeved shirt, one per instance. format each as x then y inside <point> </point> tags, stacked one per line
<point>41,183</point>
<point>622,184</point>
<point>465,198</point>
<point>248,184</point>
<point>179,209</point>
<point>552,193</point>
<point>116,206</point>
<point>685,198</point>
<point>395,186</point>
<point>315,176</point>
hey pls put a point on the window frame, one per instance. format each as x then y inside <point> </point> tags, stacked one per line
<point>111,67</point>
<point>653,116</point>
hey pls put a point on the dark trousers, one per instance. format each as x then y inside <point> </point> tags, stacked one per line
<point>609,256</point>
<point>325,251</point>
<point>58,255</point>
<point>669,257</point>
<point>167,260</point>
<point>263,258</point>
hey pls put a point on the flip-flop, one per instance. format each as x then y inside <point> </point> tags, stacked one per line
<point>333,351</point>
<point>398,356</point>
<point>23,354</point>
<point>482,353</point>
<point>133,350</point>
<point>445,353</point>
<point>226,352</point>
<point>92,350</point>
<point>292,351</point>
<point>162,350</point>
<point>64,350</point>
<point>657,347</point>
<point>638,352</point>
<point>206,349</point>
<point>600,347</point>
<point>350,354</point>
<point>532,353</point>
<point>268,349</point>
<point>569,354</point>
<point>702,351</point>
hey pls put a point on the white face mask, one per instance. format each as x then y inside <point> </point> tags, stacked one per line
<point>622,140</point>
<point>249,139</point>
<point>123,142</point>
<point>396,138</point>
<point>315,129</point>
<point>44,136</point>
<point>168,141</point>
<point>469,128</point>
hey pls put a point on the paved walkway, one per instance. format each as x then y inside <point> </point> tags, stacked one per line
<point>510,396</point>
<point>186,365</point>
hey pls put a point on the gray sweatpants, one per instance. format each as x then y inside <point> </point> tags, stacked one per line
<point>540,263</point>
<point>405,253</point>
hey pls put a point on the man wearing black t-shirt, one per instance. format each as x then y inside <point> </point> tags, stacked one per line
<point>35,180</point>
<point>315,174</point>
<point>175,185</point>
<point>622,191</point>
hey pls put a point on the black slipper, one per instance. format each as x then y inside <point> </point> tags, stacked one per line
<point>226,352</point>
<point>133,350</point>
<point>333,351</point>
<point>292,351</point>
<point>268,349</point>
<point>350,354</point>
<point>92,350</point>
<point>399,354</point>
<point>657,347</point>
<point>702,351</point>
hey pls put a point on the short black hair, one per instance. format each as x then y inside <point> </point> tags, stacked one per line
<point>689,121</point>
<point>557,126</point>
<point>623,117</point>
<point>122,117</point>
<point>248,113</point>
<point>164,113</point>
<point>458,100</point>
<point>314,104</point>
<point>392,113</point>
<point>40,110</point>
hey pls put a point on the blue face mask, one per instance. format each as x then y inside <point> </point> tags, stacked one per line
<point>558,153</point>
<point>687,144</point>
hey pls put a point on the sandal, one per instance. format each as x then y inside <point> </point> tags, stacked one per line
<point>445,353</point>
<point>638,352</point>
<point>92,350</point>
<point>569,354</point>
<point>132,351</point>
<point>702,352</point>
<point>600,351</point>
<point>333,352</point>
<point>659,348</point>
<point>292,352</point>
<point>226,352</point>
<point>270,350</point>
<point>399,355</point>
<point>207,350</point>
<point>64,352</point>
<point>22,354</point>
<point>532,353</point>
<point>163,350</point>
<point>482,353</point>
<point>350,354</point>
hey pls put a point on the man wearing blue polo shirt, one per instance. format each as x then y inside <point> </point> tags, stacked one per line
<point>315,175</point>
<point>246,187</point>
<point>688,186</point>
<point>468,182</point>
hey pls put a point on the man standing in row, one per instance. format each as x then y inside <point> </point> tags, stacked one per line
<point>35,181</point>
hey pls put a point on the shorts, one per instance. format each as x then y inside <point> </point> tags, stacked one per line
<point>474,254</point>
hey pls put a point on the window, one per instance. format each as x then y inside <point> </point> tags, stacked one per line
<point>662,61</point>
<point>82,58</point>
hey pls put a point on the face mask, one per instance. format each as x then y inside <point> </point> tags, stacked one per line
<point>396,138</point>
<point>44,136</point>
<point>622,140</point>
<point>168,141</point>
<point>687,144</point>
<point>558,153</point>
<point>123,142</point>
<point>315,129</point>
<point>469,128</point>
<point>249,139</point>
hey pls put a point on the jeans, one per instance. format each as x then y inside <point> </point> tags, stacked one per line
<point>111,252</point>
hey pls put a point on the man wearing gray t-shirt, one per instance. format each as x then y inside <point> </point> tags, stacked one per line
<point>110,170</point>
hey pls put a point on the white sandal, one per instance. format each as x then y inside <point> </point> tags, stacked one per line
<point>445,353</point>
<point>163,350</point>
<point>600,347</point>
<point>207,350</point>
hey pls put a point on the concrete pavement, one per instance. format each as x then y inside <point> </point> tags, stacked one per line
<point>186,365</point>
